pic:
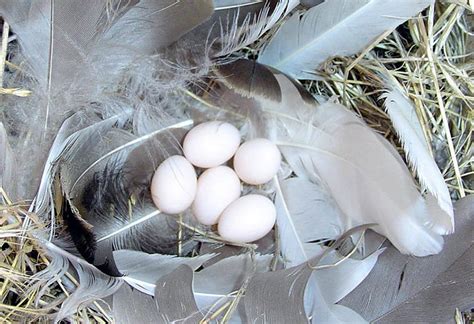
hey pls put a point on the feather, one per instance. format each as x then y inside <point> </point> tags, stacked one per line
<point>82,55</point>
<point>341,150</point>
<point>174,296</point>
<point>338,282</point>
<point>227,4</point>
<point>111,203</point>
<point>311,3</point>
<point>267,296</point>
<point>331,145</point>
<point>404,119</point>
<point>421,289</point>
<point>307,209</point>
<point>253,26</point>
<point>93,283</point>
<point>306,216</point>
<point>141,270</point>
<point>80,125</point>
<point>217,283</point>
<point>132,306</point>
<point>7,163</point>
<point>336,27</point>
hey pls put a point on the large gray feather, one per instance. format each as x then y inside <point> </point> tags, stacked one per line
<point>215,284</point>
<point>132,306</point>
<point>410,284</point>
<point>174,297</point>
<point>278,297</point>
<point>336,27</point>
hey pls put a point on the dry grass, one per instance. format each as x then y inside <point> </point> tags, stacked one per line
<point>430,57</point>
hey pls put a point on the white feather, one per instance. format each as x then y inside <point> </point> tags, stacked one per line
<point>305,213</point>
<point>409,130</point>
<point>7,164</point>
<point>228,4</point>
<point>368,183</point>
<point>335,27</point>
<point>338,282</point>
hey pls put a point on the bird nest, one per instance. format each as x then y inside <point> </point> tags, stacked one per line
<point>430,57</point>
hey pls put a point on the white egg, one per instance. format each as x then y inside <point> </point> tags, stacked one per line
<point>247,219</point>
<point>174,184</point>
<point>216,189</point>
<point>257,161</point>
<point>211,144</point>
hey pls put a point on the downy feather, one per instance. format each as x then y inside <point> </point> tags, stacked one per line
<point>336,27</point>
<point>239,35</point>
<point>79,55</point>
<point>405,120</point>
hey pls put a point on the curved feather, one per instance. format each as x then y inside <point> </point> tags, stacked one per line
<point>108,188</point>
<point>253,26</point>
<point>413,285</point>
<point>406,123</point>
<point>327,142</point>
<point>336,27</point>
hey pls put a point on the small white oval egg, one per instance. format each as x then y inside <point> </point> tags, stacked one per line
<point>174,184</point>
<point>216,189</point>
<point>211,144</point>
<point>247,219</point>
<point>257,161</point>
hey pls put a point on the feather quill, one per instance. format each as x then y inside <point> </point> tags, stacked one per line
<point>336,27</point>
<point>7,163</point>
<point>306,216</point>
<point>405,120</point>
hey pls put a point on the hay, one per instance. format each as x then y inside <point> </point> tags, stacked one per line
<point>430,57</point>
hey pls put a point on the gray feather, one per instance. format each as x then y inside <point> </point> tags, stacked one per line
<point>278,297</point>
<point>142,270</point>
<point>174,296</point>
<point>336,27</point>
<point>410,284</point>
<point>132,306</point>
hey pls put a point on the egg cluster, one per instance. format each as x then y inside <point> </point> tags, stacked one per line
<point>215,197</point>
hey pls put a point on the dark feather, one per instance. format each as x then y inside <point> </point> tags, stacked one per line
<point>111,197</point>
<point>79,230</point>
<point>250,79</point>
